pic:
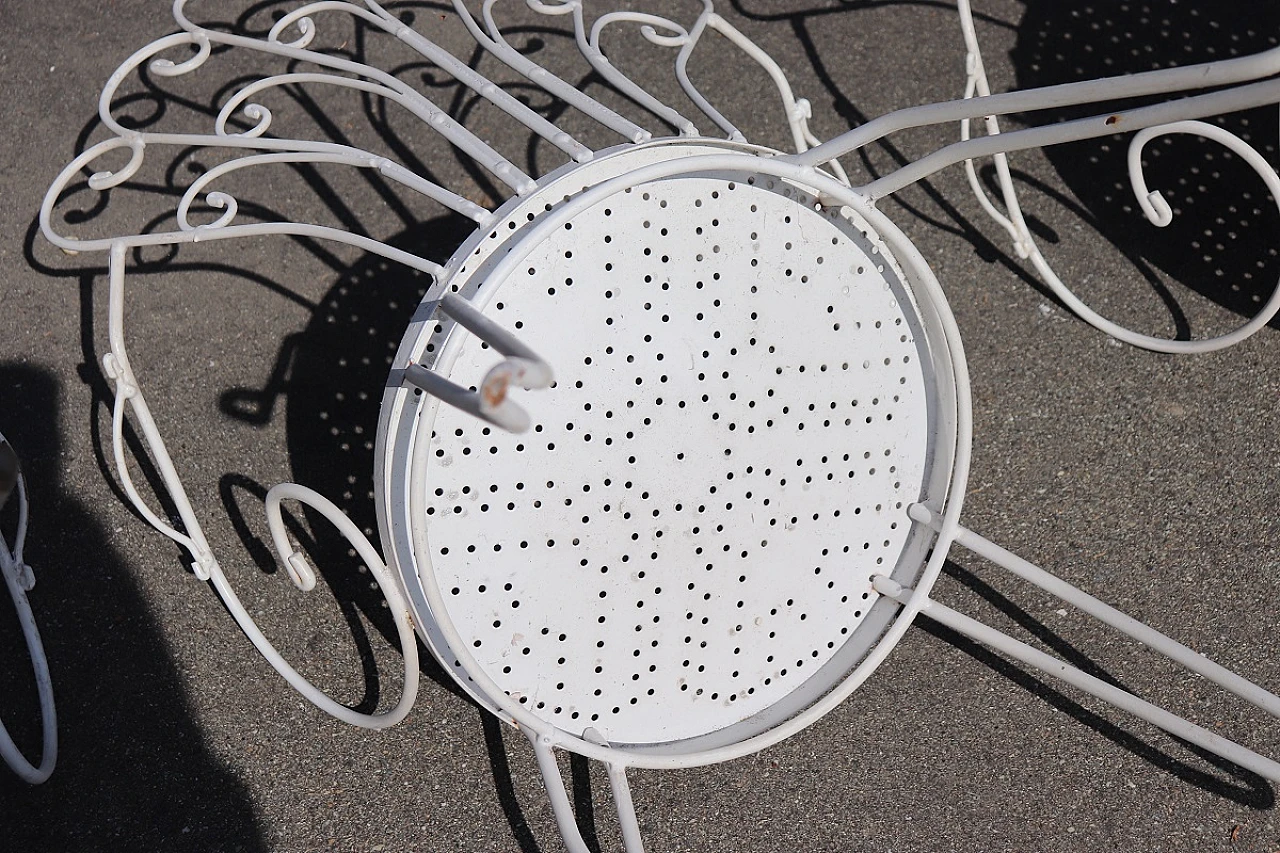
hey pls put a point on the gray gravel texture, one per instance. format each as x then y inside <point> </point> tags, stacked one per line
<point>1148,479</point>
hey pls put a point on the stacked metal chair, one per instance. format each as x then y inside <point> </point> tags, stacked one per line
<point>742,456</point>
<point>19,579</point>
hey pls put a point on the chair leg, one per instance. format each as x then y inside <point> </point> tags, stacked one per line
<point>1057,668</point>
<point>544,749</point>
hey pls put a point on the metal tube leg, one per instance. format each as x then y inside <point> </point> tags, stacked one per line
<point>489,402</point>
<point>1050,665</point>
<point>626,808</point>
<point>544,749</point>
<point>1108,615</point>
<point>621,797</point>
<point>34,774</point>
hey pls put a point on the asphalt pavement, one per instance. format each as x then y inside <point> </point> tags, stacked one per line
<point>1148,479</point>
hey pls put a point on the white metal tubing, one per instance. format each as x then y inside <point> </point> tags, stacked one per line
<point>1153,205</point>
<point>34,774</point>
<point>117,367</point>
<point>795,118</point>
<point>553,781</point>
<point>488,331</point>
<point>19,579</point>
<point>976,84</point>
<point>1157,716</point>
<point>442,389</point>
<point>15,481</point>
<point>590,49</point>
<point>489,402</point>
<point>430,115</point>
<point>220,231</point>
<point>440,121</point>
<point>1159,213</point>
<point>307,25</point>
<point>626,808</point>
<point>127,395</point>
<point>492,93</point>
<point>1195,107</point>
<point>631,839</point>
<point>1163,82</point>
<point>708,16</point>
<point>395,602</point>
<point>361,160</point>
<point>1107,614</point>
<point>495,43</point>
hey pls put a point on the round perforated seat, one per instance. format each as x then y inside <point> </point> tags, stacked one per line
<point>687,534</point>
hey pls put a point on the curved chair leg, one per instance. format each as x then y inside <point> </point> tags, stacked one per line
<point>205,566</point>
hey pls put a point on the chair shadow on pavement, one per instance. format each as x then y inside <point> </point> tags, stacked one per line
<point>133,770</point>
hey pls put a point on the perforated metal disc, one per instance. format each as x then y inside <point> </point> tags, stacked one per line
<point>742,413</point>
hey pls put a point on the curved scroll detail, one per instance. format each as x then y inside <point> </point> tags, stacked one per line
<point>107,179</point>
<point>1153,205</point>
<point>307,25</point>
<point>257,113</point>
<point>304,578</point>
<point>686,40</point>
<point>589,46</point>
<point>555,7</point>
<point>1160,214</point>
<point>218,201</point>
<point>649,25</point>
<point>168,68</point>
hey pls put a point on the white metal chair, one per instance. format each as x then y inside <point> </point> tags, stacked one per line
<point>742,459</point>
<point>20,580</point>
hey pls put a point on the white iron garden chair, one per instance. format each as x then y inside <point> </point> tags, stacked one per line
<point>741,461</point>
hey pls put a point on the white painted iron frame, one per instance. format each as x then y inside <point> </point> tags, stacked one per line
<point>523,366</point>
<point>20,580</point>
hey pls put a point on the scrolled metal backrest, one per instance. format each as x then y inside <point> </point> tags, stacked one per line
<point>250,141</point>
<point>245,124</point>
